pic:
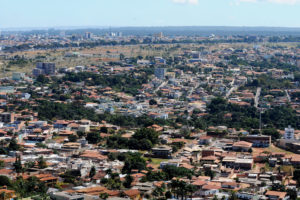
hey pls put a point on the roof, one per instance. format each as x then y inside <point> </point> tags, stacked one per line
<point>211,187</point>
<point>132,192</point>
<point>276,193</point>
<point>242,144</point>
<point>199,183</point>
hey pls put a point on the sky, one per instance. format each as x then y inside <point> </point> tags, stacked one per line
<point>116,13</point>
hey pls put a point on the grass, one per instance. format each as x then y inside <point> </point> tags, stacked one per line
<point>273,148</point>
<point>155,161</point>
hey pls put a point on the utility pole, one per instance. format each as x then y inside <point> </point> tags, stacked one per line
<point>260,121</point>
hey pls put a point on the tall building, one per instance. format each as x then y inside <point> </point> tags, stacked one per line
<point>44,68</point>
<point>7,117</point>
<point>289,133</point>
<point>160,73</point>
<point>88,35</point>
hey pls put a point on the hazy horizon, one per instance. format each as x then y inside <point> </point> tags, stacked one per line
<point>19,14</point>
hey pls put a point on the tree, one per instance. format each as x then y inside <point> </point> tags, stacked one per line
<point>29,164</point>
<point>152,102</point>
<point>103,196</point>
<point>145,144</point>
<point>18,165</point>
<point>13,145</point>
<point>292,193</point>
<point>278,187</point>
<point>104,129</point>
<point>42,79</point>
<point>122,56</point>
<point>147,133</point>
<point>4,181</point>
<point>128,181</point>
<point>272,132</point>
<point>168,195</point>
<point>209,172</point>
<point>80,134</point>
<point>93,137</point>
<point>215,198</point>
<point>42,163</point>
<point>92,172</point>
<point>2,164</point>
<point>72,138</point>
<point>233,196</point>
<point>133,161</point>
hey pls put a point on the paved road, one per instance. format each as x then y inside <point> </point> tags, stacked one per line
<point>193,89</point>
<point>256,100</point>
<point>288,96</point>
<point>231,90</point>
<point>161,85</point>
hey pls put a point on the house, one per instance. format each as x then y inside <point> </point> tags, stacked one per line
<point>66,196</point>
<point>229,185</point>
<point>258,140</point>
<point>275,195</point>
<point>241,146</point>
<point>162,152</point>
<point>244,163</point>
<point>8,194</point>
<point>209,190</point>
<point>133,194</point>
<point>205,140</point>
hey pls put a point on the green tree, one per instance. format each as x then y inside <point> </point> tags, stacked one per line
<point>2,164</point>
<point>72,138</point>
<point>92,172</point>
<point>18,165</point>
<point>128,181</point>
<point>147,133</point>
<point>152,102</point>
<point>93,137</point>
<point>103,196</point>
<point>13,145</point>
<point>5,181</point>
<point>42,163</point>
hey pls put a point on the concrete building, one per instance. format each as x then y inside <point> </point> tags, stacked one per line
<point>7,117</point>
<point>162,152</point>
<point>258,140</point>
<point>17,76</point>
<point>289,133</point>
<point>44,68</point>
<point>160,73</point>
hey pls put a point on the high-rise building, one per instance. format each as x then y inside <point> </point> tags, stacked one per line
<point>289,133</point>
<point>7,117</point>
<point>88,35</point>
<point>44,68</point>
<point>160,73</point>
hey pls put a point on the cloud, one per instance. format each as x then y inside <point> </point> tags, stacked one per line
<point>193,2</point>
<point>289,2</point>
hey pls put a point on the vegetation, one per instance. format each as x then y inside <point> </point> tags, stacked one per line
<point>143,139</point>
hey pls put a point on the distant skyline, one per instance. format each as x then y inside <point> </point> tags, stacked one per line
<point>123,13</point>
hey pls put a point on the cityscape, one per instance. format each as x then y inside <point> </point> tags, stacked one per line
<point>138,111</point>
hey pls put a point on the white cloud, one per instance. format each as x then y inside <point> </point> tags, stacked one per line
<point>290,2</point>
<point>193,2</point>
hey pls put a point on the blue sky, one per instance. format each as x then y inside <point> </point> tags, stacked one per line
<point>56,13</point>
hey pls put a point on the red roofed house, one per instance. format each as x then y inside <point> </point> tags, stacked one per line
<point>241,146</point>
<point>275,195</point>
<point>132,194</point>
